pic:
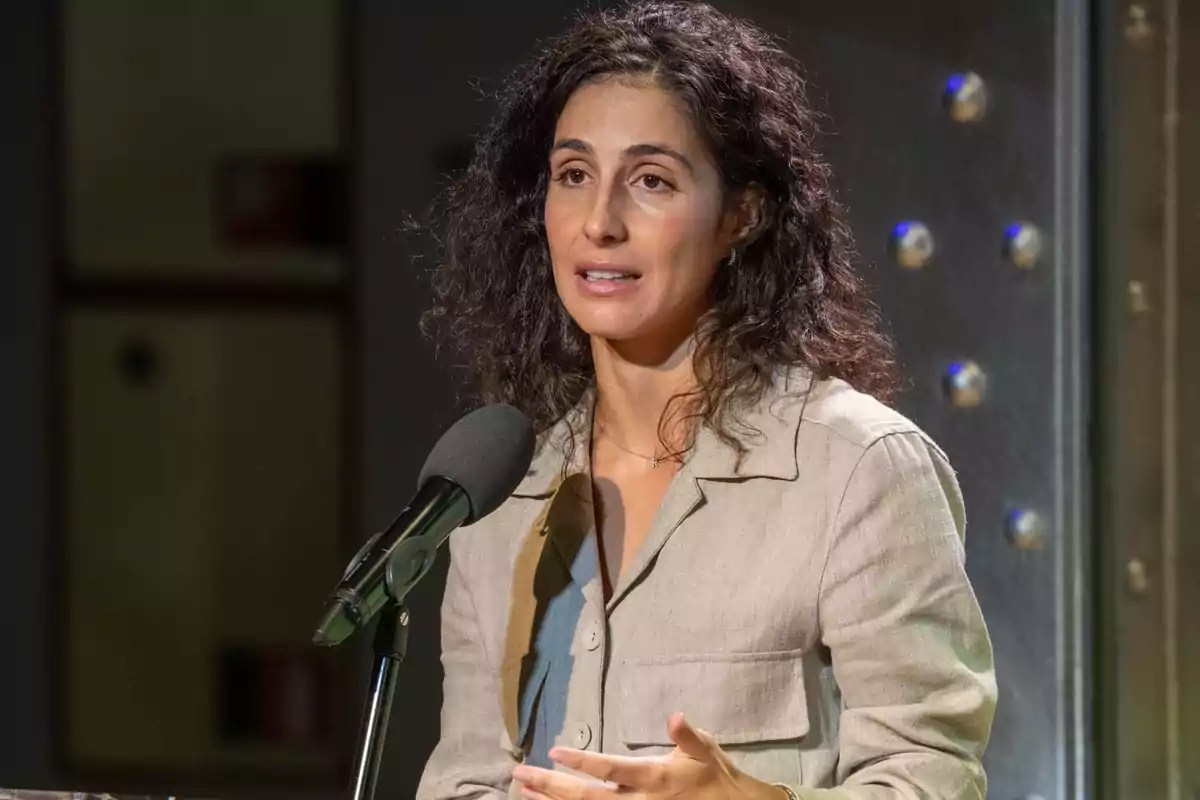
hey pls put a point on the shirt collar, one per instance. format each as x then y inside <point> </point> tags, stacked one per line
<point>767,432</point>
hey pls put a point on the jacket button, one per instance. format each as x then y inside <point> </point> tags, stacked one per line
<point>583,736</point>
<point>591,639</point>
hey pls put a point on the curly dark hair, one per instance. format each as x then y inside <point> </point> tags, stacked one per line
<point>792,298</point>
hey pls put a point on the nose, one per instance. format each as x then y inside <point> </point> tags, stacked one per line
<point>605,224</point>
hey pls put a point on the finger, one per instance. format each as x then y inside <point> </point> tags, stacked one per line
<point>645,773</point>
<point>534,794</point>
<point>559,785</point>
<point>692,741</point>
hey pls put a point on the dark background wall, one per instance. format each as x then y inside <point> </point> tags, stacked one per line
<point>415,89</point>
<point>26,140</point>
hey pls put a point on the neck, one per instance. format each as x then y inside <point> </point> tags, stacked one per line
<point>634,383</point>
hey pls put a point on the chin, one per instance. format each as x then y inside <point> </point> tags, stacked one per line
<point>615,330</point>
<point>652,337</point>
<point>620,320</point>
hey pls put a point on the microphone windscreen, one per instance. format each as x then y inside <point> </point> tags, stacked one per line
<point>487,453</point>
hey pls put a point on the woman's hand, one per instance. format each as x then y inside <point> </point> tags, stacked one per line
<point>697,769</point>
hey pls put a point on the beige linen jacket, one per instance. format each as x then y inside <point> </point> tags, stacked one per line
<point>808,607</point>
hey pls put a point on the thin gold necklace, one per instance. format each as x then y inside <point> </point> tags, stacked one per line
<point>654,460</point>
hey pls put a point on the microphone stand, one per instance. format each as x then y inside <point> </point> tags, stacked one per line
<point>407,565</point>
<point>411,559</point>
<point>390,644</point>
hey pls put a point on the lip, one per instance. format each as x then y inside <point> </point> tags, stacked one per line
<point>606,266</point>
<point>602,288</point>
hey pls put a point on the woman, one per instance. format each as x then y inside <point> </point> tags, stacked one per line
<point>731,571</point>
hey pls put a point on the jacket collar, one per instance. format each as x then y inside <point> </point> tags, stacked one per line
<point>767,432</point>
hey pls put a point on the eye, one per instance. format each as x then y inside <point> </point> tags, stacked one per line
<point>572,176</point>
<point>655,183</point>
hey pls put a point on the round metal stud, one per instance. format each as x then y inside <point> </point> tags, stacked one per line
<point>1139,301</point>
<point>1137,577</point>
<point>912,244</point>
<point>966,384</point>
<point>966,97</point>
<point>1026,529</point>
<point>1138,28</point>
<point>1023,244</point>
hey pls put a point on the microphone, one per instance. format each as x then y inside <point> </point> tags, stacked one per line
<point>470,472</point>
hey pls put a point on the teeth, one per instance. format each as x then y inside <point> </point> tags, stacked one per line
<point>604,275</point>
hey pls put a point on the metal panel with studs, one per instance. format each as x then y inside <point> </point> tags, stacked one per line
<point>956,135</point>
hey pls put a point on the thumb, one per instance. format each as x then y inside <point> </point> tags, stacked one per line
<point>694,742</point>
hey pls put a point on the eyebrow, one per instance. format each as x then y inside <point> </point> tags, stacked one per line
<point>646,149</point>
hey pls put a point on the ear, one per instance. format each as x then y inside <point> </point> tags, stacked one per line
<point>747,214</point>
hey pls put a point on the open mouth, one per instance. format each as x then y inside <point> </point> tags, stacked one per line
<point>596,275</point>
<point>606,273</point>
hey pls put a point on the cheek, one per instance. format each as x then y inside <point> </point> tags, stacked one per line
<point>561,217</point>
<point>553,221</point>
<point>685,239</point>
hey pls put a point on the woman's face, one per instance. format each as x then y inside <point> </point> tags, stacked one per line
<point>635,215</point>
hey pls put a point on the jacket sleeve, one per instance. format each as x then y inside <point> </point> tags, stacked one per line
<point>911,654</point>
<point>469,761</point>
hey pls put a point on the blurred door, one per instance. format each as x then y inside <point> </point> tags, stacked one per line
<point>205,392</point>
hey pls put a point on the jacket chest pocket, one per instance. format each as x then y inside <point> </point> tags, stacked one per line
<point>753,704</point>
